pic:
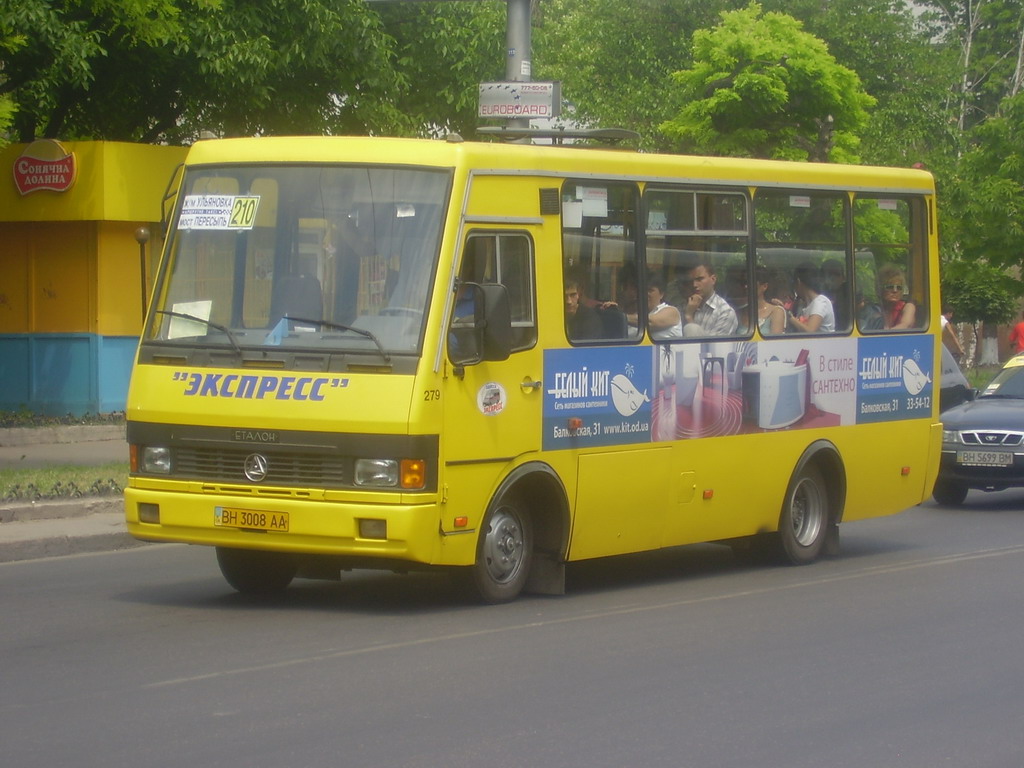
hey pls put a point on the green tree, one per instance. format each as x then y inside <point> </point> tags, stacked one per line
<point>988,192</point>
<point>899,62</point>
<point>987,38</point>
<point>761,86</point>
<point>443,51</point>
<point>615,60</point>
<point>979,292</point>
<point>150,70</point>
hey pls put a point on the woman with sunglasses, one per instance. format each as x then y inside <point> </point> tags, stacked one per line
<point>896,311</point>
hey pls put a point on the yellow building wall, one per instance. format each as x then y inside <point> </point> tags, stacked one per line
<point>118,284</point>
<point>70,286</point>
<point>116,181</point>
<point>15,256</point>
<point>69,261</point>
<point>48,278</point>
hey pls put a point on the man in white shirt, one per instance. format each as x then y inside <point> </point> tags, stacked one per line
<point>706,313</point>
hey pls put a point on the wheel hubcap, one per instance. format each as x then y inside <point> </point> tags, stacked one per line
<point>808,512</point>
<point>504,546</point>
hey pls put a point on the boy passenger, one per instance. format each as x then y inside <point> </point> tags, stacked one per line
<point>581,320</point>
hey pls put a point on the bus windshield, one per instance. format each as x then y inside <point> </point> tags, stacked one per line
<point>324,258</point>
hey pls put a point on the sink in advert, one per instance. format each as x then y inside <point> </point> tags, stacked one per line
<point>774,393</point>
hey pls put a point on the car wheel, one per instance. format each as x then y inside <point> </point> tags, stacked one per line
<point>948,493</point>
<point>256,573</point>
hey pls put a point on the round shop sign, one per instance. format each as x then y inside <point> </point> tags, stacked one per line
<point>491,399</point>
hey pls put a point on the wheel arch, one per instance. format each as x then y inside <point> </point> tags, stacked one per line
<point>542,493</point>
<point>826,457</point>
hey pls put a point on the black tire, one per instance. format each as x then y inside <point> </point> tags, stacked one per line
<point>948,493</point>
<point>256,573</point>
<point>804,523</point>
<point>504,553</point>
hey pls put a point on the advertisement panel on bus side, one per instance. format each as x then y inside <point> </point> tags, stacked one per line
<point>628,395</point>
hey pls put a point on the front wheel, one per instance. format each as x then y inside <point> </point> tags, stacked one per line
<point>804,524</point>
<point>948,493</point>
<point>256,573</point>
<point>504,553</point>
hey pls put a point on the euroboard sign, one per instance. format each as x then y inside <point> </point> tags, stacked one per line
<point>512,100</point>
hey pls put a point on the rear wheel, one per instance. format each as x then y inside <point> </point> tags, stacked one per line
<point>804,524</point>
<point>256,573</point>
<point>949,493</point>
<point>504,553</point>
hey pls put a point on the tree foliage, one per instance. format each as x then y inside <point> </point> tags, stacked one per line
<point>443,51</point>
<point>615,60</point>
<point>988,192</point>
<point>761,86</point>
<point>149,70</point>
<point>979,292</point>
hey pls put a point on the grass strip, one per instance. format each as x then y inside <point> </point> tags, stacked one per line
<point>62,481</point>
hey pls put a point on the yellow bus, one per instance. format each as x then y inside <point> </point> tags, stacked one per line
<point>502,358</point>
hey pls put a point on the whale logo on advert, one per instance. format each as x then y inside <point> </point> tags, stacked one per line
<point>45,164</point>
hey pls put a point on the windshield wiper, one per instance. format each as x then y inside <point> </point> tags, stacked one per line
<point>209,323</point>
<point>340,327</point>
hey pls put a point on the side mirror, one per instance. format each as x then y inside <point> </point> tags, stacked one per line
<point>481,327</point>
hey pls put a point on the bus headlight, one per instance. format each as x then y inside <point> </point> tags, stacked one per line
<point>389,473</point>
<point>381,473</point>
<point>156,459</point>
<point>950,436</point>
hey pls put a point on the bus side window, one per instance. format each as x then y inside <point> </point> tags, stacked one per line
<point>890,243</point>
<point>697,242</point>
<point>802,241</point>
<point>600,286</point>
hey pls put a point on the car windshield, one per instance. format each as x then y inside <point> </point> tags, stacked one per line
<point>1009,382</point>
<point>328,258</point>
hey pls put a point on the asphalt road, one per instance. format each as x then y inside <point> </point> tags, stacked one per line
<point>905,651</point>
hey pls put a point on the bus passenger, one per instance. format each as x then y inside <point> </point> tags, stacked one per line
<point>771,318</point>
<point>581,320</point>
<point>817,315</point>
<point>737,295</point>
<point>707,313</point>
<point>835,286</point>
<point>896,312</point>
<point>663,320</point>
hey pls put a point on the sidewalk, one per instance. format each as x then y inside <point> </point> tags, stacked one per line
<point>50,528</point>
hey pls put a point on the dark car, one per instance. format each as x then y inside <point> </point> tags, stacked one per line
<point>983,440</point>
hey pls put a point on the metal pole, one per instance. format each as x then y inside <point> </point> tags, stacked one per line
<point>518,67</point>
<point>142,237</point>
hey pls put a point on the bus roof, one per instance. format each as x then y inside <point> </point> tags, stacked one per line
<point>546,160</point>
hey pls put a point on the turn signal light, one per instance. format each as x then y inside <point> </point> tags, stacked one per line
<point>414,473</point>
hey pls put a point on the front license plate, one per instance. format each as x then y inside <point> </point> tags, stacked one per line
<point>253,520</point>
<point>984,458</point>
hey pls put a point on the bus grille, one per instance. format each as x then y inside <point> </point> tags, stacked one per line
<point>225,465</point>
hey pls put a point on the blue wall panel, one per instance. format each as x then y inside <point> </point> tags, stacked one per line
<point>116,356</point>
<point>59,373</point>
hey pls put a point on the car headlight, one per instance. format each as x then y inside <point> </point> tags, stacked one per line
<point>950,436</point>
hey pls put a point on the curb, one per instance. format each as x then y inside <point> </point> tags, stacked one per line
<point>58,528</point>
<point>60,546</point>
<point>47,509</point>
<point>68,433</point>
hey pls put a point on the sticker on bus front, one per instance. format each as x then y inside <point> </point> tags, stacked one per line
<point>231,212</point>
